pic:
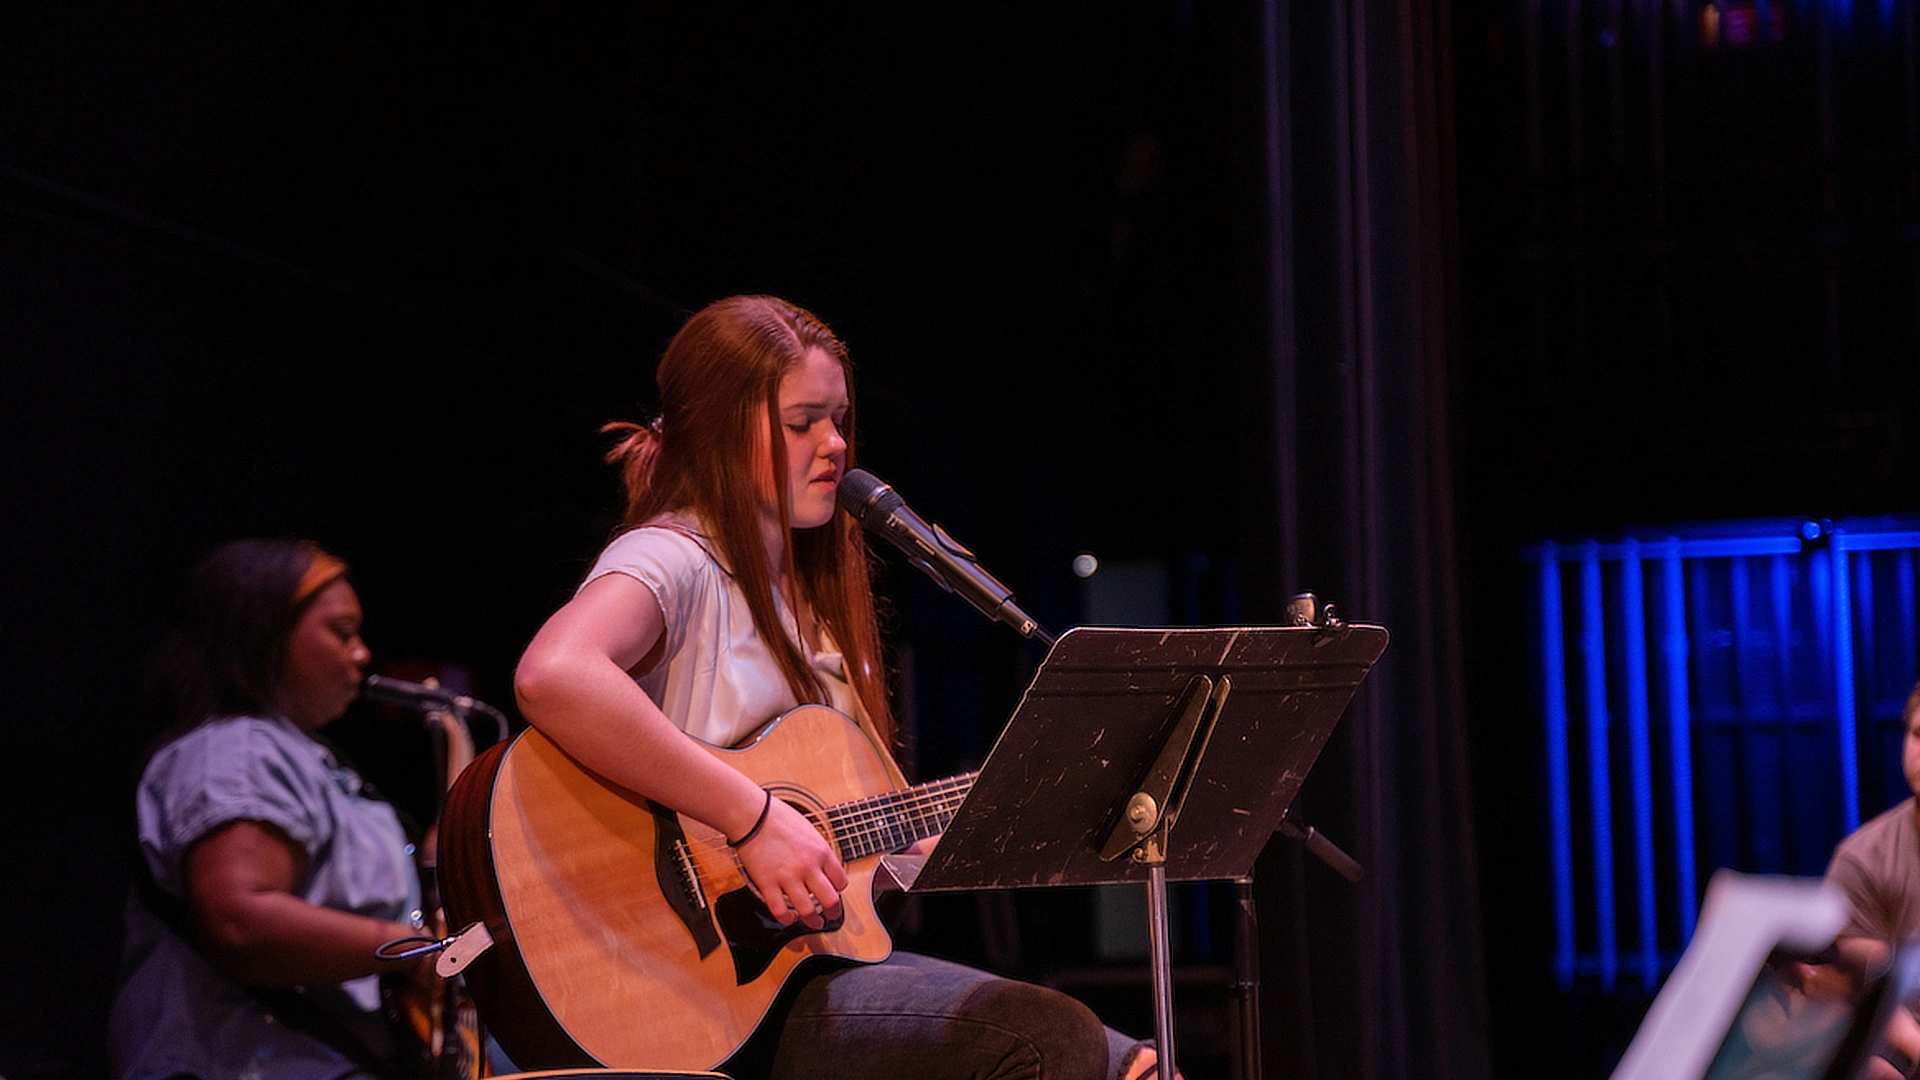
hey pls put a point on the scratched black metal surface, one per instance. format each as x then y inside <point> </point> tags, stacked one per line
<point>1091,723</point>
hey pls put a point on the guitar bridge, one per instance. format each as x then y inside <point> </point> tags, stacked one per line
<point>679,880</point>
<point>689,877</point>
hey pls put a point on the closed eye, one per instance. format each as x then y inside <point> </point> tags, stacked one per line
<point>803,427</point>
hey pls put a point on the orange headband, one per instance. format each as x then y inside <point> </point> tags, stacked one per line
<point>320,572</point>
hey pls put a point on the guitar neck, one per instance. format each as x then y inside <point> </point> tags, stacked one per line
<point>890,821</point>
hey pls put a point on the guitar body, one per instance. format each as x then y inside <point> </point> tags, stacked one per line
<point>623,934</point>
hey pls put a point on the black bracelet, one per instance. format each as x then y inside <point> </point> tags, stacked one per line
<point>757,822</point>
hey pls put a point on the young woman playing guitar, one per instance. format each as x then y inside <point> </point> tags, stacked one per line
<point>736,592</point>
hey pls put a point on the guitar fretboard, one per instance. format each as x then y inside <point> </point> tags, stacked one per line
<point>892,820</point>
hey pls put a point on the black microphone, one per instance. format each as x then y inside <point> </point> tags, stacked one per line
<point>881,509</point>
<point>412,695</point>
<point>428,699</point>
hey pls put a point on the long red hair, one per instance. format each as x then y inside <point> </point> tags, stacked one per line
<point>719,382</point>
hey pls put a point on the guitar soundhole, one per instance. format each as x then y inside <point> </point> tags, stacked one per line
<point>753,937</point>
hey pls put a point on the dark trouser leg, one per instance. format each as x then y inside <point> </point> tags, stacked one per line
<point>920,1017</point>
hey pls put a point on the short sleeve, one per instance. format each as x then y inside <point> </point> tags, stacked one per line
<point>1871,869</point>
<point>670,563</point>
<point>224,771</point>
<point>1846,874</point>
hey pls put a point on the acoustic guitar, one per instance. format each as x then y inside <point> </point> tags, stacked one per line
<point>625,935</point>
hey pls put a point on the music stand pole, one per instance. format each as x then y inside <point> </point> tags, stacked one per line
<point>1157,939</point>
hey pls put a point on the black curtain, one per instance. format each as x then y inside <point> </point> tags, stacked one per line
<point>378,282</point>
<point>1384,978</point>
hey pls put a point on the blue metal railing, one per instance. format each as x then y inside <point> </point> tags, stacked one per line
<point>1774,655</point>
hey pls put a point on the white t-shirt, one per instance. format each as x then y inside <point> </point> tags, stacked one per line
<point>716,679</point>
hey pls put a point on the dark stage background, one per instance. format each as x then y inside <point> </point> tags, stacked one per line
<point>1355,297</point>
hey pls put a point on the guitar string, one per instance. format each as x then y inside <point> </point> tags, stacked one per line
<point>923,803</point>
<point>872,814</point>
<point>707,875</point>
<point>864,824</point>
<point>867,823</point>
<point>884,816</point>
<point>857,813</point>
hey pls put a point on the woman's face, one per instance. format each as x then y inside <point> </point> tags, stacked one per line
<point>326,660</point>
<point>813,405</point>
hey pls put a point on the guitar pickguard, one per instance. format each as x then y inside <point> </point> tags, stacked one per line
<point>753,937</point>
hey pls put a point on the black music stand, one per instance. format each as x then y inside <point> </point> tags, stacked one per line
<point>1152,755</point>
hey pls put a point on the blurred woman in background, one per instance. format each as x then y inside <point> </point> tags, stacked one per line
<point>268,874</point>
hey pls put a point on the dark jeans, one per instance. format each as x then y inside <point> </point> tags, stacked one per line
<point>917,1016</point>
